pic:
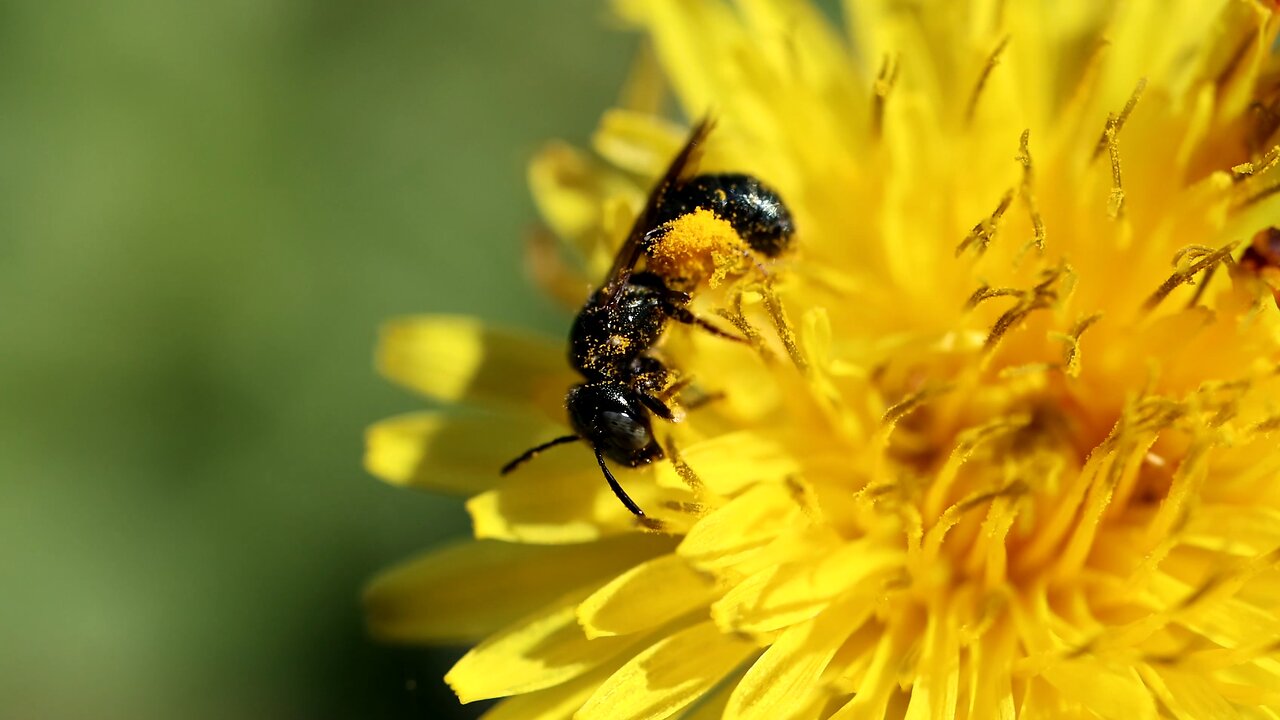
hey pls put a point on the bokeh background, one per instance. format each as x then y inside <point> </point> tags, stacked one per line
<point>206,211</point>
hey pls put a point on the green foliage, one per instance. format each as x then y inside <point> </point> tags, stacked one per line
<point>206,209</point>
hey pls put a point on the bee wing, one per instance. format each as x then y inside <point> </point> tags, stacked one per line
<point>629,254</point>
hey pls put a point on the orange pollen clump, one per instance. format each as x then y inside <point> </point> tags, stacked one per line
<point>699,247</point>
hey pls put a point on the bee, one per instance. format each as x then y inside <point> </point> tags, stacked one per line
<point>613,336</point>
<point>1262,260</point>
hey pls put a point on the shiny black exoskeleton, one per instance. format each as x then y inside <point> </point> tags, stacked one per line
<point>610,345</point>
<point>613,336</point>
<point>754,209</point>
<point>610,331</point>
<point>612,418</point>
<point>613,332</point>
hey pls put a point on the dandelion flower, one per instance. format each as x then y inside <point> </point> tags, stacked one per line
<point>1004,441</point>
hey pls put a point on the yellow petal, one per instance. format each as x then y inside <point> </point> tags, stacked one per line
<point>645,597</point>
<point>460,593</point>
<point>638,142</point>
<point>450,453</point>
<point>989,683</point>
<point>573,507</point>
<point>777,597</point>
<point>646,87</point>
<point>571,188</point>
<point>711,705</point>
<point>691,39</point>
<point>1228,621</point>
<point>1112,694</point>
<point>668,676</point>
<point>1188,696</point>
<point>539,651</point>
<point>787,675</point>
<point>559,702</point>
<point>459,359</point>
<point>729,463</point>
<point>879,680</point>
<point>937,681</point>
<point>739,527</point>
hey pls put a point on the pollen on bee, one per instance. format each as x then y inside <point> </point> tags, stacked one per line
<point>699,247</point>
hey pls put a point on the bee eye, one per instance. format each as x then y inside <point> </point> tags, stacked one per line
<point>625,431</point>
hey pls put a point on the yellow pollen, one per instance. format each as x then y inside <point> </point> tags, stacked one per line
<point>699,247</point>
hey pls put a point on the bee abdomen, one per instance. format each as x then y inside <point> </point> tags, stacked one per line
<point>754,209</point>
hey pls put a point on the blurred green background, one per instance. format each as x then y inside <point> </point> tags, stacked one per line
<point>207,209</point>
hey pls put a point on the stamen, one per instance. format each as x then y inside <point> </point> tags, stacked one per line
<point>1266,425</point>
<point>1050,533</point>
<point>1115,203</point>
<point>1043,296</point>
<point>990,65</point>
<point>885,80</point>
<point>1184,276</point>
<point>1110,141</point>
<point>687,508</point>
<point>932,543</point>
<point>738,319</point>
<point>1025,191</point>
<point>1191,251</point>
<point>1071,354</point>
<point>1259,196</point>
<point>967,442</point>
<point>682,469</point>
<point>1156,413</point>
<point>911,402</point>
<point>653,525</point>
<point>991,557</point>
<point>1124,462</point>
<point>803,495</point>
<point>984,231</point>
<point>1266,121</point>
<point>1104,142</point>
<point>986,292</point>
<point>788,336</point>
<point>1186,480</point>
<point>1244,171</point>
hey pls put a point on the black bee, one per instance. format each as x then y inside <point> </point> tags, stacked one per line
<point>1262,260</point>
<point>614,333</point>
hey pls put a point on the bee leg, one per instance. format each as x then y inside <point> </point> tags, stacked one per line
<point>617,488</point>
<point>702,399</point>
<point>683,315</point>
<point>678,388</point>
<point>658,407</point>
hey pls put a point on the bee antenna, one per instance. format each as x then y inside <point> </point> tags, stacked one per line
<point>617,489</point>
<point>531,453</point>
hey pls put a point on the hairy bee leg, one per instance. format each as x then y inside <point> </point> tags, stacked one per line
<point>675,388</point>
<point>658,407</point>
<point>617,488</point>
<point>680,314</point>
<point>704,399</point>
<point>533,452</point>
